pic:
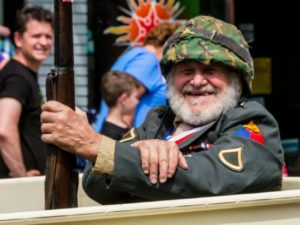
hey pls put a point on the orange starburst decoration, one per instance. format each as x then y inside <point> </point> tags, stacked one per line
<point>142,17</point>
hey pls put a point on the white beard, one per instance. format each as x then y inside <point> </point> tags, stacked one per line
<point>226,100</point>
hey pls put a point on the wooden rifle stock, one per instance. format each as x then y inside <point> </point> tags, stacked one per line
<point>61,181</point>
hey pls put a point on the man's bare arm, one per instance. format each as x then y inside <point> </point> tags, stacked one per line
<point>10,111</point>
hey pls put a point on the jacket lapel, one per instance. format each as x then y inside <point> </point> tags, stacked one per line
<point>195,136</point>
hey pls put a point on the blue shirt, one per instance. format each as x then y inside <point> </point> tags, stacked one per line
<point>143,65</point>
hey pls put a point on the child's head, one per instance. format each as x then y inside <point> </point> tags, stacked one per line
<point>117,86</point>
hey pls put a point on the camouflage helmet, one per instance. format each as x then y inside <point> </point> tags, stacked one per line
<point>208,40</point>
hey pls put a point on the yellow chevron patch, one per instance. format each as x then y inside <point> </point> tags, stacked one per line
<point>232,158</point>
<point>130,135</point>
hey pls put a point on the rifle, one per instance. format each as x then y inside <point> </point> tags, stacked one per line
<point>61,181</point>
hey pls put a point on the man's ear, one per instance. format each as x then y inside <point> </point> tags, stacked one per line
<point>17,39</point>
<point>123,98</point>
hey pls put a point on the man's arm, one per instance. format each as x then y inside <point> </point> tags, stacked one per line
<point>72,132</point>
<point>227,160</point>
<point>233,161</point>
<point>234,164</point>
<point>69,130</point>
<point>10,111</point>
<point>159,159</point>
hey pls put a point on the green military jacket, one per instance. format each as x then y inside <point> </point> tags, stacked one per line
<point>241,152</point>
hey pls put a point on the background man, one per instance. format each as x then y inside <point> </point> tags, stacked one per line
<point>22,151</point>
<point>210,141</point>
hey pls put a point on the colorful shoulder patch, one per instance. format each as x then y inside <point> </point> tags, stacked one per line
<point>251,131</point>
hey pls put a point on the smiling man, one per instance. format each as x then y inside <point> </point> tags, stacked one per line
<point>22,151</point>
<point>199,93</point>
<point>210,141</point>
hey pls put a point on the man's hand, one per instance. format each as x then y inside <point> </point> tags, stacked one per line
<point>33,173</point>
<point>69,130</point>
<point>160,158</point>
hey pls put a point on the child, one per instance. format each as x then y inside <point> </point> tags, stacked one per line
<point>120,92</point>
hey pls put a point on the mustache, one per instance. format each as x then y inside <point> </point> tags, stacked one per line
<point>200,90</point>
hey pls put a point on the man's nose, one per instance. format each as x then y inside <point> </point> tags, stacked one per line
<point>44,40</point>
<point>198,79</point>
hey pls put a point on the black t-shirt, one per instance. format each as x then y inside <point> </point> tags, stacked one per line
<point>113,131</point>
<point>19,82</point>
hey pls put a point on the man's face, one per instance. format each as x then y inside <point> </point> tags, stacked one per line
<point>36,42</point>
<point>200,93</point>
